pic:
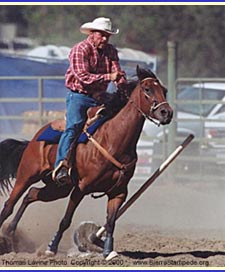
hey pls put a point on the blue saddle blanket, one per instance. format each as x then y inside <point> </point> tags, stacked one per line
<point>52,136</point>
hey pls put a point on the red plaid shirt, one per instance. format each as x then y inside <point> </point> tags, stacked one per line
<point>89,70</point>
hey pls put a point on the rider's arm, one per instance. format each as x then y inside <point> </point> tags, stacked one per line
<point>79,64</point>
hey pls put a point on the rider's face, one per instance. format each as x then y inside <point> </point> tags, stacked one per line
<point>100,39</point>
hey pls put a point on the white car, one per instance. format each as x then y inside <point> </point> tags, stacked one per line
<point>200,110</point>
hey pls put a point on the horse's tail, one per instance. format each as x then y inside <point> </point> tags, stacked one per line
<point>11,152</point>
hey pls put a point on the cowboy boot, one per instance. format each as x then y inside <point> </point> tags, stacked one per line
<point>63,171</point>
<point>62,177</point>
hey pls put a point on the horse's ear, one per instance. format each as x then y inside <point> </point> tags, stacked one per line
<point>138,71</point>
<point>142,73</point>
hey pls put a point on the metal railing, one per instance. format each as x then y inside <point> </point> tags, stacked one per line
<point>38,116</point>
<point>34,120</point>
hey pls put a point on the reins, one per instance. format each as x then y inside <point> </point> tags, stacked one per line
<point>145,115</point>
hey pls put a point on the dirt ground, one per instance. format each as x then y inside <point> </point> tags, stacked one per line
<point>172,225</point>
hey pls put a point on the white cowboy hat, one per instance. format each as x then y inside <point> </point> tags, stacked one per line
<point>101,23</point>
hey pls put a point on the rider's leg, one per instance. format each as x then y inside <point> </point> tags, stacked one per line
<point>69,136</point>
<point>76,114</point>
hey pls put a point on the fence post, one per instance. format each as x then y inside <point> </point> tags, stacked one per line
<point>172,75</point>
<point>40,102</point>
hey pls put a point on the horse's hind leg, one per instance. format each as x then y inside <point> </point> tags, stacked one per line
<point>48,193</point>
<point>27,174</point>
<point>75,199</point>
<point>114,203</point>
<point>29,198</point>
<point>18,190</point>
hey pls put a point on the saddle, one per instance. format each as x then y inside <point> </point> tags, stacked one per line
<point>93,114</point>
<point>53,133</point>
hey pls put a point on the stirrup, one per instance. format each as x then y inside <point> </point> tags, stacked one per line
<point>54,172</point>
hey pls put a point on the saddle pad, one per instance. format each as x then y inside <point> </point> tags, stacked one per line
<point>52,136</point>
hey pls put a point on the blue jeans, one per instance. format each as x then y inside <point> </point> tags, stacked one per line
<point>76,114</point>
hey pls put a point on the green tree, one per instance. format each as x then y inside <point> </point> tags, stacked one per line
<point>198,30</point>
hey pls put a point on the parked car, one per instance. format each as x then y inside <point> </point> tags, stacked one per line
<point>190,111</point>
<point>144,163</point>
<point>200,110</point>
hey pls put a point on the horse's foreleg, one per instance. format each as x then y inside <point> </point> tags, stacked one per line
<point>74,201</point>
<point>114,203</point>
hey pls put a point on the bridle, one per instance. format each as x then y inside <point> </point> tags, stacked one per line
<point>154,107</point>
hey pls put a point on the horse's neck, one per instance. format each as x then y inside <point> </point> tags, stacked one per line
<point>129,122</point>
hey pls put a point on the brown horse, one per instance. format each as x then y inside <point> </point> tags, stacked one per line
<point>119,136</point>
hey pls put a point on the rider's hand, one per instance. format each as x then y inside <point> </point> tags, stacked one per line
<point>116,76</point>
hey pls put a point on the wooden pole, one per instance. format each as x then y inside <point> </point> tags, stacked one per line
<point>161,168</point>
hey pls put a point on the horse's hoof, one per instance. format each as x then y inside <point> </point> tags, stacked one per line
<point>6,245</point>
<point>49,253</point>
<point>111,255</point>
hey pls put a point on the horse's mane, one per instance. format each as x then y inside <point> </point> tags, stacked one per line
<point>114,102</point>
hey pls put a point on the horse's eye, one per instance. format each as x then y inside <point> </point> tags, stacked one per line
<point>165,91</point>
<point>147,90</point>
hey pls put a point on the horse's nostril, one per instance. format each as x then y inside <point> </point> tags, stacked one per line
<point>164,113</point>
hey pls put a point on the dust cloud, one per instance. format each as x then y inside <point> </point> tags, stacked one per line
<point>177,209</point>
<point>166,204</point>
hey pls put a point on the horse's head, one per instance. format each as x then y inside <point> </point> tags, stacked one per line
<point>153,97</point>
